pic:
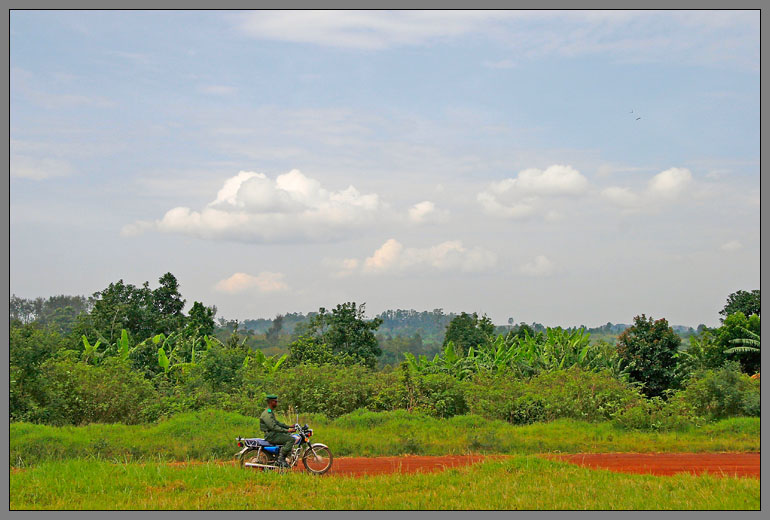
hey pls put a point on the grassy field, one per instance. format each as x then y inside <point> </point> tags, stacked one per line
<point>519,482</point>
<point>210,435</point>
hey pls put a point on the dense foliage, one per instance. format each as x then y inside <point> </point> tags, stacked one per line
<point>648,349</point>
<point>131,355</point>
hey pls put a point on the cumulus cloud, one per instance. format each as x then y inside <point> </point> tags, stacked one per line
<point>666,186</point>
<point>540,266</point>
<point>732,245</point>
<point>394,257</point>
<point>522,196</point>
<point>426,212</point>
<point>250,207</point>
<point>265,282</point>
<point>670,183</point>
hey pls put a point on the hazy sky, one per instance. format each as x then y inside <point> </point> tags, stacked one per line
<point>565,168</point>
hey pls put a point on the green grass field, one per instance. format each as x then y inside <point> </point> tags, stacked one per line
<point>125,467</point>
<point>521,482</point>
<point>210,435</point>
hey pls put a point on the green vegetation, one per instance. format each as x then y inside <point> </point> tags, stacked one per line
<point>210,435</point>
<point>131,356</point>
<point>521,482</point>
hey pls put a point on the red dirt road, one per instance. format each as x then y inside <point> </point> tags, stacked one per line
<point>718,464</point>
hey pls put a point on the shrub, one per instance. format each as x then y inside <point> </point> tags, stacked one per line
<point>658,415</point>
<point>78,393</point>
<point>572,393</point>
<point>726,392</point>
<point>329,389</point>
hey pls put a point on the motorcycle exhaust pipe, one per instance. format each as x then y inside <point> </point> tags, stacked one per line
<point>255,465</point>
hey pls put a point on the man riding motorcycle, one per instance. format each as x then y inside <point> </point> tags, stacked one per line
<point>275,431</point>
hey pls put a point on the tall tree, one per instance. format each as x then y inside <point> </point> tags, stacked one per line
<point>345,330</point>
<point>468,330</point>
<point>168,304</point>
<point>648,349</point>
<point>741,301</point>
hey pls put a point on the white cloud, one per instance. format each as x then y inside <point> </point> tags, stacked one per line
<point>363,29</point>
<point>521,196</point>
<point>426,212</point>
<point>666,186</point>
<point>393,257</point>
<point>701,37</point>
<point>670,183</point>
<point>250,207</point>
<point>35,168</point>
<point>265,282</point>
<point>732,245</point>
<point>541,266</point>
<point>622,197</point>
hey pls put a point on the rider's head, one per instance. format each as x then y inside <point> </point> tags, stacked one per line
<point>272,400</point>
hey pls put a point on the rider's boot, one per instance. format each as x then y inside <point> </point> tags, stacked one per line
<point>281,462</point>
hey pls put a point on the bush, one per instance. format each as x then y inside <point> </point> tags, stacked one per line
<point>78,393</point>
<point>329,389</point>
<point>572,393</point>
<point>726,392</point>
<point>658,415</point>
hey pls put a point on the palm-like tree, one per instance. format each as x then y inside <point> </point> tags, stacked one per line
<point>750,344</point>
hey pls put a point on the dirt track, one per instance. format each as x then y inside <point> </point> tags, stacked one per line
<point>719,464</point>
<point>357,466</point>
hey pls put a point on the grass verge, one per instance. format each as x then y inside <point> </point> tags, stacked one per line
<point>521,482</point>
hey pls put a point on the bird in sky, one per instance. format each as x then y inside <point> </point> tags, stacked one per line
<point>638,118</point>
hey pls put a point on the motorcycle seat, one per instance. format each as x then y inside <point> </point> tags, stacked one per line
<point>255,443</point>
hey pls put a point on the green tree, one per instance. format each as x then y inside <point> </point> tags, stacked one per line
<point>200,322</point>
<point>168,304</point>
<point>271,335</point>
<point>741,301</point>
<point>468,330</point>
<point>141,311</point>
<point>648,350</point>
<point>344,330</point>
<point>119,306</point>
<point>30,346</point>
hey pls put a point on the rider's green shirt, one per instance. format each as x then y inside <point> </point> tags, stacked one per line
<point>269,424</point>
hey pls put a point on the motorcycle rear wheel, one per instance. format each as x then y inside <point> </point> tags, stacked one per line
<point>317,460</point>
<point>255,457</point>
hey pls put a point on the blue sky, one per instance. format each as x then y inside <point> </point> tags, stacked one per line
<point>470,161</point>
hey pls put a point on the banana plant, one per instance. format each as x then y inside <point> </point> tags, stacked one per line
<point>90,350</point>
<point>123,348</point>
<point>268,364</point>
<point>750,344</point>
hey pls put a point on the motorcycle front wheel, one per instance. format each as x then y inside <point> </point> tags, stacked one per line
<point>317,459</point>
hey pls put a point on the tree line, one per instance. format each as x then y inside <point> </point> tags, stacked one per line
<point>65,351</point>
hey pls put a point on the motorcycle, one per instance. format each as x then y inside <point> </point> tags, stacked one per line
<point>258,453</point>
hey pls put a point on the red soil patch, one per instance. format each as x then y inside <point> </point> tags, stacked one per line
<point>358,466</point>
<point>719,464</point>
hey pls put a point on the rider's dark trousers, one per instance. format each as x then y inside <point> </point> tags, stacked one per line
<point>281,438</point>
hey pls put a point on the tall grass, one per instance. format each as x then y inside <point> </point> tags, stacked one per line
<point>521,482</point>
<point>210,435</point>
